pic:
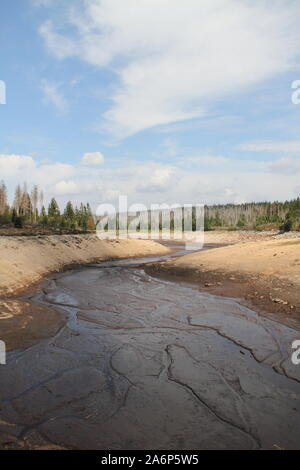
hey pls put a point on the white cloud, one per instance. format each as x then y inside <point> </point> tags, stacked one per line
<point>175,59</point>
<point>291,146</point>
<point>93,159</point>
<point>61,46</point>
<point>11,165</point>
<point>65,188</point>
<point>207,160</point>
<point>159,181</point>
<point>16,169</point>
<point>285,165</point>
<point>207,180</point>
<point>53,95</point>
<point>47,174</point>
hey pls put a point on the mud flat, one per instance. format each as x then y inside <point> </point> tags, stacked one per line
<point>27,260</point>
<point>144,363</point>
<point>264,273</point>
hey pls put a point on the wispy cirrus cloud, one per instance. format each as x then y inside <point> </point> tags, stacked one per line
<point>285,165</point>
<point>53,95</point>
<point>167,72</point>
<point>289,146</point>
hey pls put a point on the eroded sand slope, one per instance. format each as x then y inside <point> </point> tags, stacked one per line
<point>272,257</point>
<point>26,260</point>
<point>265,272</point>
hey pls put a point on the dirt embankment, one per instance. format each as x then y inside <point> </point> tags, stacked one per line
<point>25,261</point>
<point>265,272</point>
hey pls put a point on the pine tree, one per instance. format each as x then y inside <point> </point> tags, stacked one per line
<point>53,209</point>
<point>54,213</point>
<point>69,212</point>
<point>44,217</point>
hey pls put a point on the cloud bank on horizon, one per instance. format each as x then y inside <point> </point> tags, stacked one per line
<point>218,179</point>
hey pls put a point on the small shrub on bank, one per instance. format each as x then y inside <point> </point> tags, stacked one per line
<point>19,222</point>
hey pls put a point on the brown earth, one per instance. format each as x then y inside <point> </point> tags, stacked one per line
<point>22,323</point>
<point>264,273</point>
<point>35,230</point>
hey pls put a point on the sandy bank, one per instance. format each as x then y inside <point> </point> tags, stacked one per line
<point>264,272</point>
<point>279,258</point>
<point>26,260</point>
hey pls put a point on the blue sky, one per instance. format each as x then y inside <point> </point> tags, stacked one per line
<point>164,101</point>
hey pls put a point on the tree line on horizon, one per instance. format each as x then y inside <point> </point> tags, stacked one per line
<point>28,209</point>
<point>284,216</point>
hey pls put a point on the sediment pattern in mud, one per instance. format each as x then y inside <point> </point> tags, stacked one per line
<point>148,364</point>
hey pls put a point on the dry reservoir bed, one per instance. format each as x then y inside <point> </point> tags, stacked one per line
<point>144,363</point>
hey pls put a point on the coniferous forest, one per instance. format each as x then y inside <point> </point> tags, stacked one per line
<point>27,214</point>
<point>283,216</point>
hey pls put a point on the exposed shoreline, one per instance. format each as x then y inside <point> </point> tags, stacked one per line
<point>218,271</point>
<point>26,262</point>
<point>264,274</point>
<point>83,332</point>
<point>136,354</point>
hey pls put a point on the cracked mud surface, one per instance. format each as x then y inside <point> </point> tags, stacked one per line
<point>144,363</point>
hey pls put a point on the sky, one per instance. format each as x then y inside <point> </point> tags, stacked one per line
<point>163,101</point>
